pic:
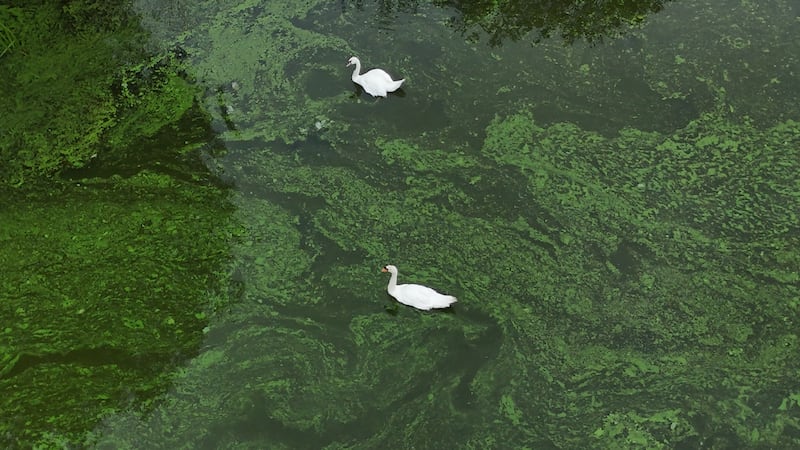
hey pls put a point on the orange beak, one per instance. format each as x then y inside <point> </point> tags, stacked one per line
<point>384,269</point>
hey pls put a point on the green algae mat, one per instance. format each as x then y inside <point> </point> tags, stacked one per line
<point>197,202</point>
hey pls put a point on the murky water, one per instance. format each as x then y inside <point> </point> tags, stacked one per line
<point>617,218</point>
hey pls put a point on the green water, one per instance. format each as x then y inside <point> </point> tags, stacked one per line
<point>197,202</point>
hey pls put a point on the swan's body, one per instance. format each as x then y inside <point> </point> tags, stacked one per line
<point>418,296</point>
<point>376,82</point>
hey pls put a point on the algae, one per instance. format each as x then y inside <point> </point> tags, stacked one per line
<point>643,281</point>
<point>106,285</point>
<point>8,24</point>
<point>625,280</point>
<point>77,86</point>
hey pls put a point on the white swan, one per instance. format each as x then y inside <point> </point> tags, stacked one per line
<point>376,82</point>
<point>420,297</point>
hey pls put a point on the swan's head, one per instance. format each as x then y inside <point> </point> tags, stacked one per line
<point>389,268</point>
<point>352,60</point>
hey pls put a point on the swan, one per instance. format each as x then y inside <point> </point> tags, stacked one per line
<point>420,297</point>
<point>375,82</point>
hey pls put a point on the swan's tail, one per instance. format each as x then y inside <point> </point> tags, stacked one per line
<point>446,301</point>
<point>396,85</point>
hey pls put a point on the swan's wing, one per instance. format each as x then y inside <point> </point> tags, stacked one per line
<point>422,297</point>
<point>374,90</point>
<point>379,76</point>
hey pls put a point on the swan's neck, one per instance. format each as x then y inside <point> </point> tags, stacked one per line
<point>392,283</point>
<point>356,71</point>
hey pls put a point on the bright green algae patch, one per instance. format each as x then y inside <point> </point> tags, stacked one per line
<point>695,272</point>
<point>74,85</point>
<point>107,281</point>
<point>106,288</point>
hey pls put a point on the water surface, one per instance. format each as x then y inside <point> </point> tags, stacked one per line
<point>611,194</point>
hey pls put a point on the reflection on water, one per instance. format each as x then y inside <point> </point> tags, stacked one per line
<point>617,220</point>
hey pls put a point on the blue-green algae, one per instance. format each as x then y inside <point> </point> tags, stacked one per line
<point>76,86</point>
<point>606,300</point>
<point>106,284</point>
<point>625,280</point>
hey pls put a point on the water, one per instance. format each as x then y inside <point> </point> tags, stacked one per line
<point>614,207</point>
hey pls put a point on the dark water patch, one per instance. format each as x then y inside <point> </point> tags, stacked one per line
<point>481,351</point>
<point>148,153</point>
<point>256,425</point>
<point>671,114</point>
<point>316,151</point>
<point>637,339</point>
<point>648,110</point>
<point>416,114</point>
<point>97,356</point>
<point>715,435</point>
<point>628,256</point>
<point>535,21</point>
<point>321,18</point>
<point>322,70</point>
<point>318,84</point>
